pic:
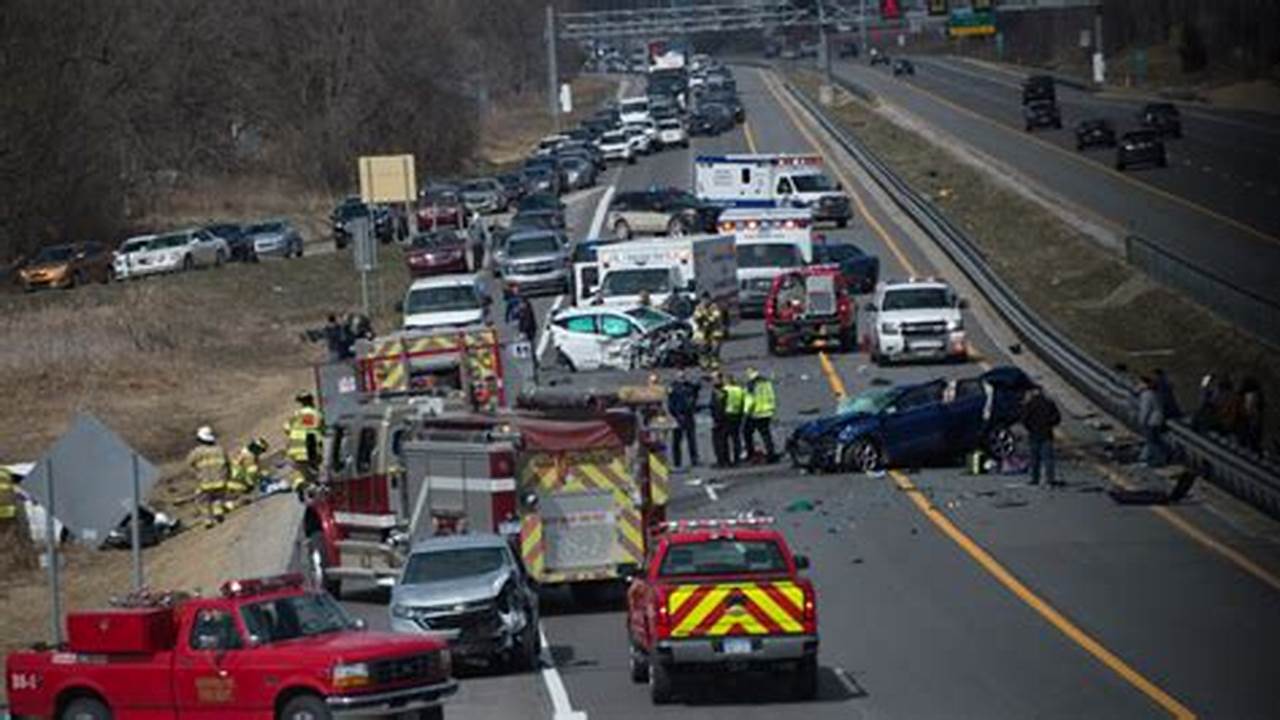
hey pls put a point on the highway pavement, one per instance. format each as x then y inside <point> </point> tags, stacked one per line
<point>1215,205</point>
<point>941,595</point>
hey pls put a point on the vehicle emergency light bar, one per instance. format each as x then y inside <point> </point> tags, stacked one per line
<point>714,523</point>
<point>262,586</point>
<point>728,226</point>
<point>788,160</point>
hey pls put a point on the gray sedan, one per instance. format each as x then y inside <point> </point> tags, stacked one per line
<point>275,237</point>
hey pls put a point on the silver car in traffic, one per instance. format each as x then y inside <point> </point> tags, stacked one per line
<point>534,260</point>
<point>472,590</point>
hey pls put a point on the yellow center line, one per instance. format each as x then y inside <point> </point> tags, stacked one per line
<point>1236,557</point>
<point>1189,204</point>
<point>1043,608</point>
<point>751,139</point>
<point>833,378</point>
<point>852,187</point>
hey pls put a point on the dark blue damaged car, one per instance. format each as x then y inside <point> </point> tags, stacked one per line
<point>907,425</point>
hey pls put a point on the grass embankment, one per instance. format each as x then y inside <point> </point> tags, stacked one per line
<point>1111,309</point>
<point>509,132</point>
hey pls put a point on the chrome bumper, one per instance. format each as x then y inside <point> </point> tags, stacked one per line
<point>393,702</point>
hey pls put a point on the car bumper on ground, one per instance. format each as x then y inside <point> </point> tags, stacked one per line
<point>718,653</point>
<point>926,347</point>
<point>391,703</point>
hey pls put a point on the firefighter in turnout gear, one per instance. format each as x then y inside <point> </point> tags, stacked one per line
<point>708,331</point>
<point>305,446</point>
<point>246,473</point>
<point>15,534</point>
<point>208,461</point>
<point>762,404</point>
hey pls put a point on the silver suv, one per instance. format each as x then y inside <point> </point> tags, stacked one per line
<point>473,591</point>
<point>535,260</point>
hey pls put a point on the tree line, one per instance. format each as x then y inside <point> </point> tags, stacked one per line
<point>105,105</point>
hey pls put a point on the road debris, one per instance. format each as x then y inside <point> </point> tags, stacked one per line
<point>799,505</point>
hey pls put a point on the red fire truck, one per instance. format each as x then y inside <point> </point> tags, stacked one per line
<point>572,478</point>
<point>265,648</point>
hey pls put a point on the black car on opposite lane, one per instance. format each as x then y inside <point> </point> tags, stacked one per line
<point>1140,147</point>
<point>1095,132</point>
<point>1162,118</point>
<point>1042,114</point>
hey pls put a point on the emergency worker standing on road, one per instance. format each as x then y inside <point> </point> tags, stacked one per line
<point>208,461</point>
<point>682,403</point>
<point>735,409</point>
<point>719,420</point>
<point>708,328</point>
<point>1040,416</point>
<point>15,534</point>
<point>305,448</point>
<point>763,404</point>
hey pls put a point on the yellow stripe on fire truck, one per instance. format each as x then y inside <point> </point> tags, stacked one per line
<point>763,608</point>
<point>630,536</point>
<point>531,545</point>
<point>659,478</point>
<point>388,366</point>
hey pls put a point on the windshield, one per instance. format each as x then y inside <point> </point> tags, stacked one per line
<point>440,197</point>
<point>59,253</point>
<point>536,245</point>
<point>432,240</point>
<point>723,557</point>
<point>769,255</point>
<point>437,565</point>
<point>812,183</point>
<point>917,299</point>
<point>352,211</point>
<point>649,318</point>
<point>669,124</point>
<point>615,137</point>
<point>478,186</point>
<point>635,105</point>
<point>838,253</point>
<point>449,298</point>
<point>631,282</point>
<point>870,402</point>
<point>167,241</point>
<point>263,228</point>
<point>296,616</point>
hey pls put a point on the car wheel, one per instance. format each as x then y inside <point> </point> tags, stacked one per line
<point>564,362</point>
<point>1001,443</point>
<point>86,709</point>
<point>305,707</point>
<point>661,688</point>
<point>220,259</point>
<point>526,655</point>
<point>863,456</point>
<point>1120,165</point>
<point>675,227</point>
<point>1163,162</point>
<point>1079,147</point>
<point>622,230</point>
<point>805,682</point>
<point>639,665</point>
<point>317,562</point>
<point>631,159</point>
<point>188,264</point>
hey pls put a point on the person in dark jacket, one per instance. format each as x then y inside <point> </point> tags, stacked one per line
<point>1168,400</point>
<point>719,421</point>
<point>337,339</point>
<point>527,320</point>
<point>1040,416</point>
<point>682,403</point>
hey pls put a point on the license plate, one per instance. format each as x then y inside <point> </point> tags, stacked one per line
<point>924,345</point>
<point>737,646</point>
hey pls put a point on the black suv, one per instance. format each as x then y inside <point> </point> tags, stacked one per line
<point>1140,147</point>
<point>1038,88</point>
<point>1042,114</point>
<point>1163,118</point>
<point>1096,132</point>
<point>903,67</point>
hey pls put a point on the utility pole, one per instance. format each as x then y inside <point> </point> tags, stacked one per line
<point>1099,62</point>
<point>825,93</point>
<point>553,72</point>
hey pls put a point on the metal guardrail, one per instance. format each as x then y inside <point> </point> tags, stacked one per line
<point>1248,476</point>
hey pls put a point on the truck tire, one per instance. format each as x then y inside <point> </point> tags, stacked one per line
<point>863,456</point>
<point>86,708</point>
<point>317,561</point>
<point>305,707</point>
<point>661,689</point>
<point>805,685</point>
<point>771,344</point>
<point>842,223</point>
<point>639,665</point>
<point>525,656</point>
<point>435,713</point>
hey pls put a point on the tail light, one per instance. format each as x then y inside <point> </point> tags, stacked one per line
<point>662,618</point>
<point>501,465</point>
<point>810,611</point>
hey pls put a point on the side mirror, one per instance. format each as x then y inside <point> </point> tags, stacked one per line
<point>802,562</point>
<point>963,304</point>
<point>839,185</point>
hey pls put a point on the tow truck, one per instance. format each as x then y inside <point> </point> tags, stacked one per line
<point>722,596</point>
<point>426,445</point>
<point>262,648</point>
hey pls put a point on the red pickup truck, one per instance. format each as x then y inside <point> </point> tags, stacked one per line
<point>265,648</point>
<point>810,308</point>
<point>722,596</point>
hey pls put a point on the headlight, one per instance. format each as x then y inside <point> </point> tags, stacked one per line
<point>404,612</point>
<point>955,325</point>
<point>351,675</point>
<point>889,328</point>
